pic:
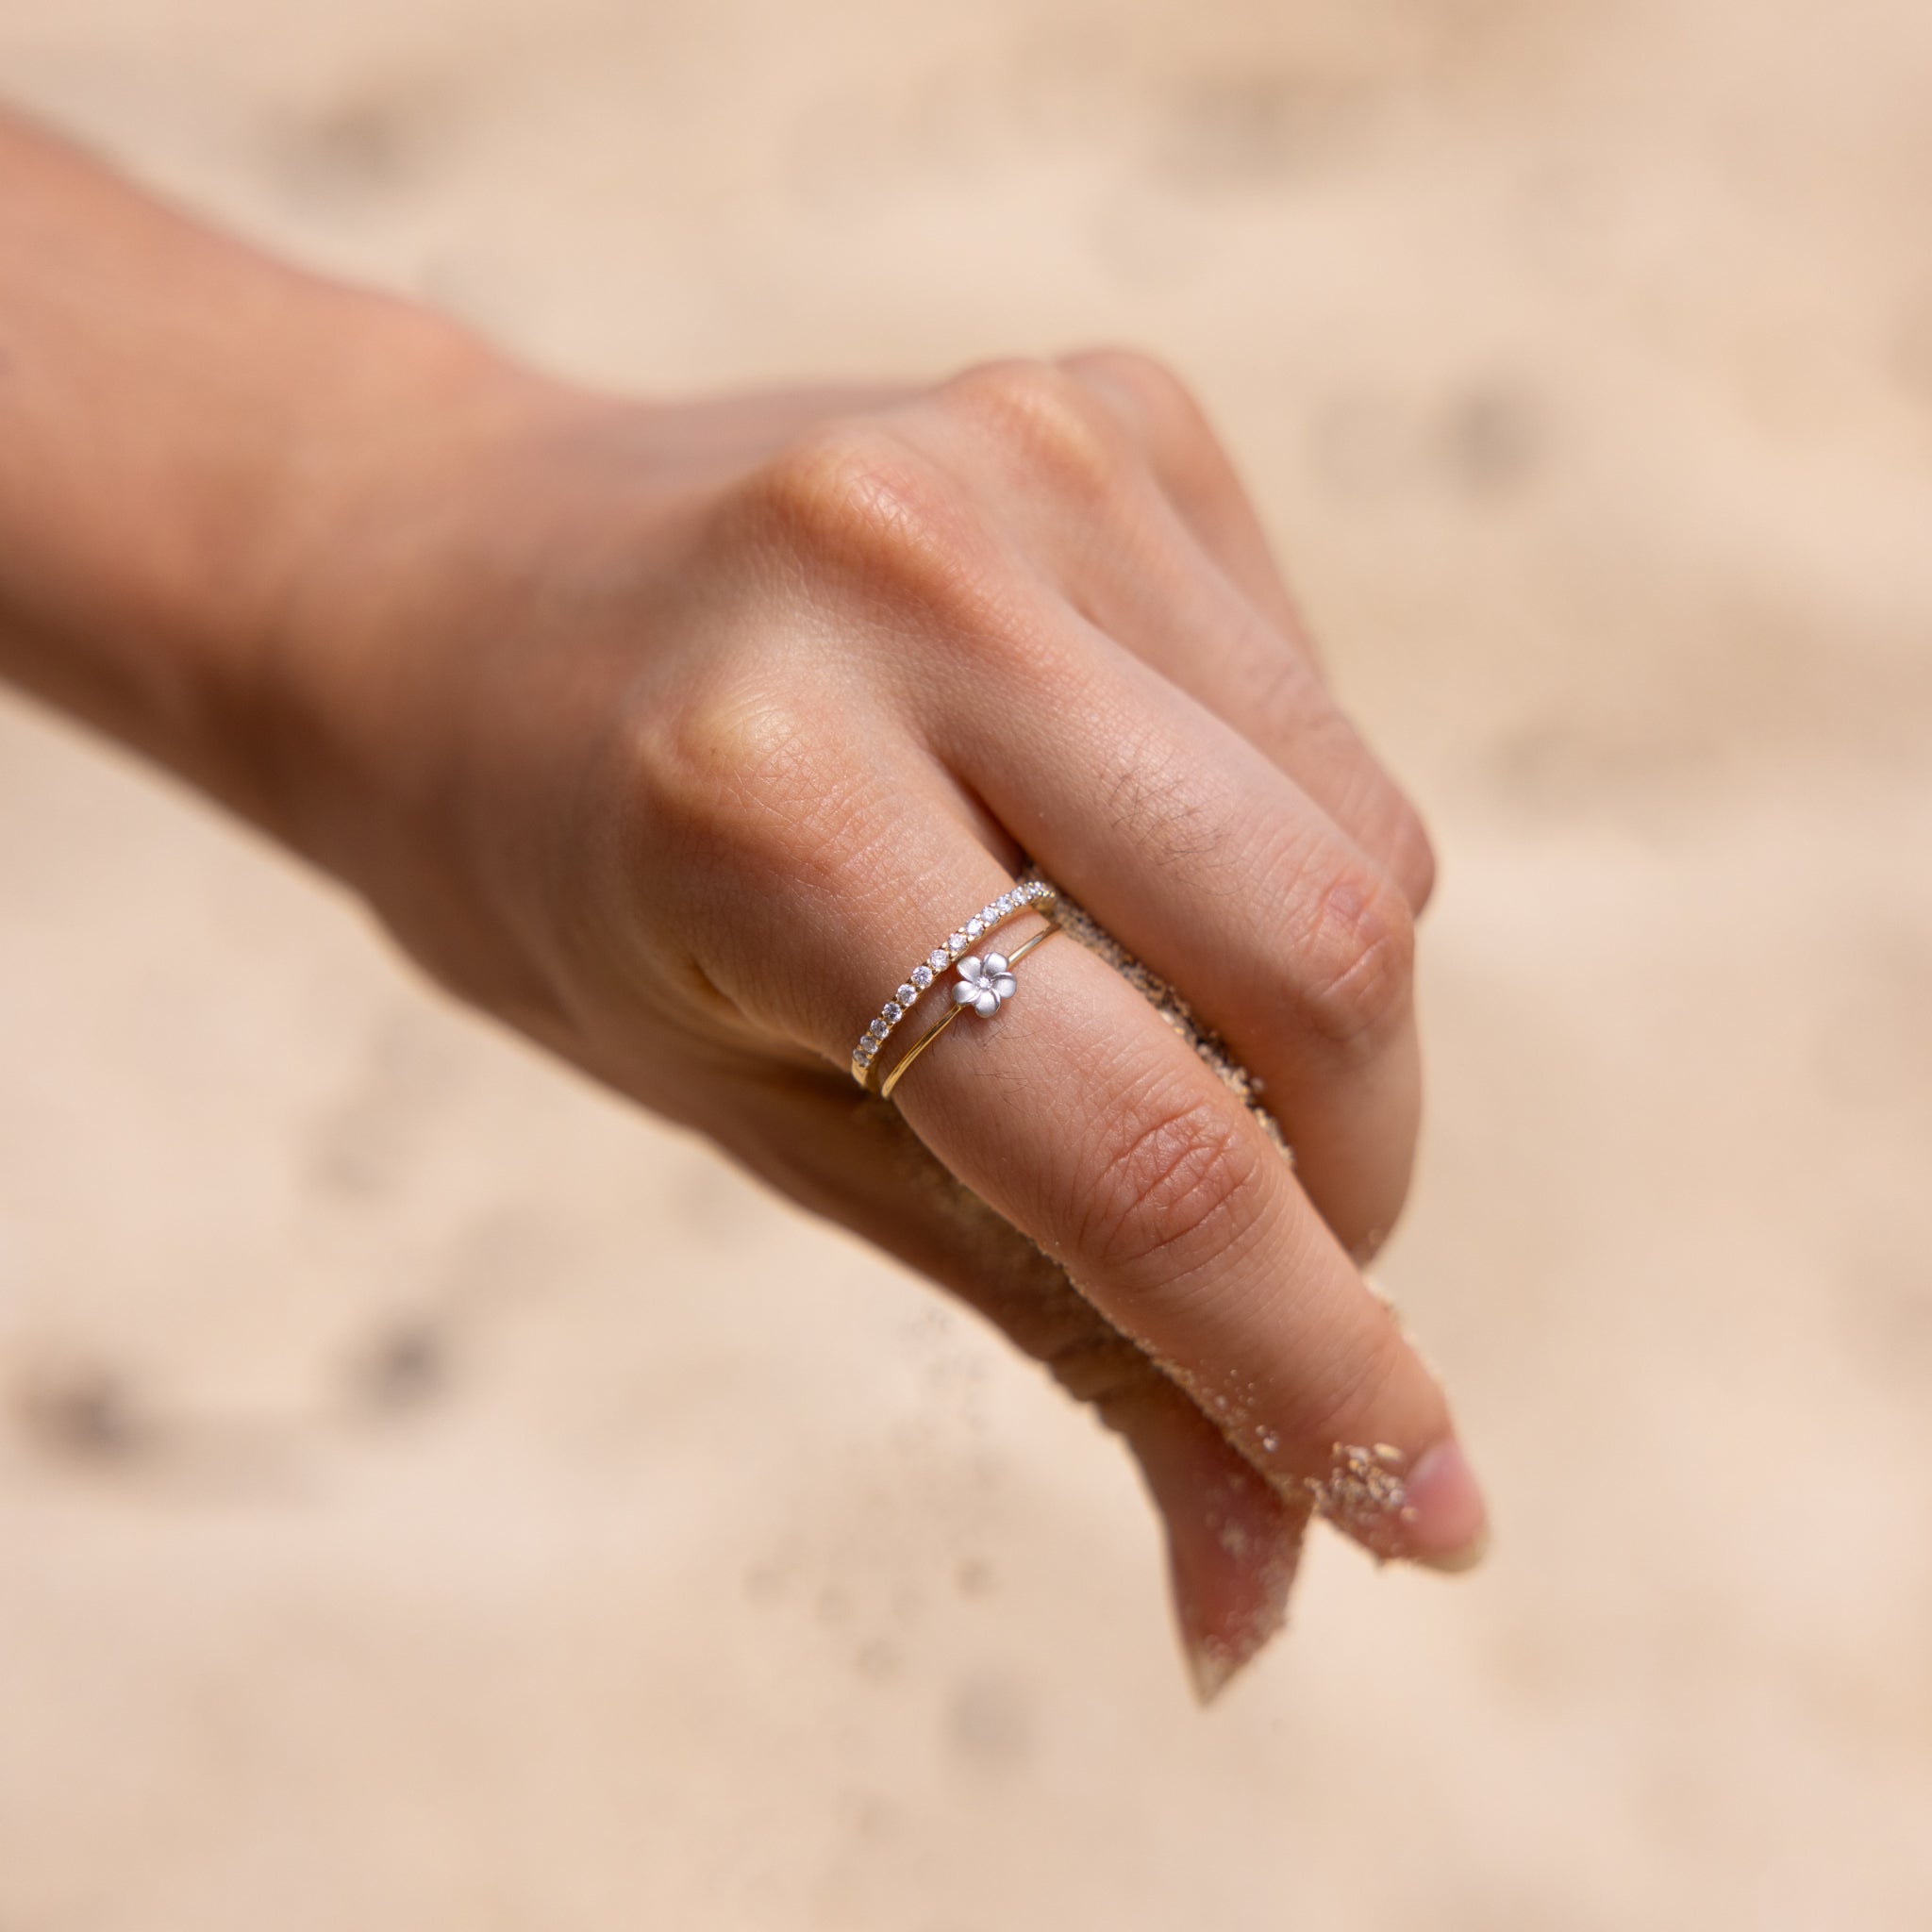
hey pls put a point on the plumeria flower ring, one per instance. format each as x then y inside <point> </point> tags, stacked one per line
<point>983,983</point>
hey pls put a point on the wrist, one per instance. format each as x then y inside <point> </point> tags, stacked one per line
<point>373,707</point>
<point>181,419</point>
<point>314,666</point>
<point>301,596</point>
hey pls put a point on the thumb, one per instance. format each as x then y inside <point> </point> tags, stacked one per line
<point>1233,1541</point>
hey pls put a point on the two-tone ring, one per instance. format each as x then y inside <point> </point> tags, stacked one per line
<point>984,984</point>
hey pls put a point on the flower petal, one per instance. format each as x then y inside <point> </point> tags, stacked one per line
<point>987,1004</point>
<point>1003,984</point>
<point>965,994</point>
<point>970,967</point>
<point>996,963</point>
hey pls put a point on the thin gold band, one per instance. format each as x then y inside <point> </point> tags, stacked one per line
<point>1028,894</point>
<point>952,1014</point>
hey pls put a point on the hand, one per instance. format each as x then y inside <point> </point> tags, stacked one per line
<point>675,736</point>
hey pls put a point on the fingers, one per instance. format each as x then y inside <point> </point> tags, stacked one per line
<point>1082,1117</point>
<point>810,881</point>
<point>1209,865</point>
<point>1184,834</point>
<point>1182,611</point>
<point>1075,1112</point>
<point>1107,465</point>
<point>1196,475</point>
<point>1233,1541</point>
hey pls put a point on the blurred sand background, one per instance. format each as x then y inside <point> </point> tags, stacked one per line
<point>433,1499</point>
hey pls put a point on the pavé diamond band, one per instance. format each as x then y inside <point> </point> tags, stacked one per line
<point>985,982</point>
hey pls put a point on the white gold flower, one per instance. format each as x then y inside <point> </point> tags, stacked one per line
<point>983,983</point>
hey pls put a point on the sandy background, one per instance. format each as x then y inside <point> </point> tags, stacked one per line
<point>432,1497</point>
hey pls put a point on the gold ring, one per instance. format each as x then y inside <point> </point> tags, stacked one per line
<point>966,995</point>
<point>1030,895</point>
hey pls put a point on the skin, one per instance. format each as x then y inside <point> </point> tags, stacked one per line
<point>673,734</point>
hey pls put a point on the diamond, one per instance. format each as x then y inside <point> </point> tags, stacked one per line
<point>1004,902</point>
<point>879,1028</point>
<point>907,993</point>
<point>938,960</point>
<point>891,1011</point>
<point>956,943</point>
<point>922,976</point>
<point>974,927</point>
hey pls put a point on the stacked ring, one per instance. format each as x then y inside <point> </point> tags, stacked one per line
<point>985,982</point>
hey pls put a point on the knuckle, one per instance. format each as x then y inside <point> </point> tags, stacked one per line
<point>1152,384</point>
<point>1014,652</point>
<point>1360,960</point>
<point>856,501</point>
<point>1165,409</point>
<point>1378,814</point>
<point>742,826</point>
<point>1386,826</point>
<point>1291,708</point>
<point>749,779</point>
<point>1294,708</point>
<point>1049,420</point>
<point>1411,855</point>
<point>1173,1184</point>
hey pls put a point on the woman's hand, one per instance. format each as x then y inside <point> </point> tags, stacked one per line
<point>676,735</point>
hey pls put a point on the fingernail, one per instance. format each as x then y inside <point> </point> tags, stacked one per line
<point>1445,1525</point>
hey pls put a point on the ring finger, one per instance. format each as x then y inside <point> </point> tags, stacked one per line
<point>1079,1115</point>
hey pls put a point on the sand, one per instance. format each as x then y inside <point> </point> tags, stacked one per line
<point>434,1499</point>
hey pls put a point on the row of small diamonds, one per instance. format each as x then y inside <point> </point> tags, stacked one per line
<point>923,976</point>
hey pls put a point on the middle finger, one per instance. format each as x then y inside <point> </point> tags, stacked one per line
<point>1087,495</point>
<point>1205,860</point>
